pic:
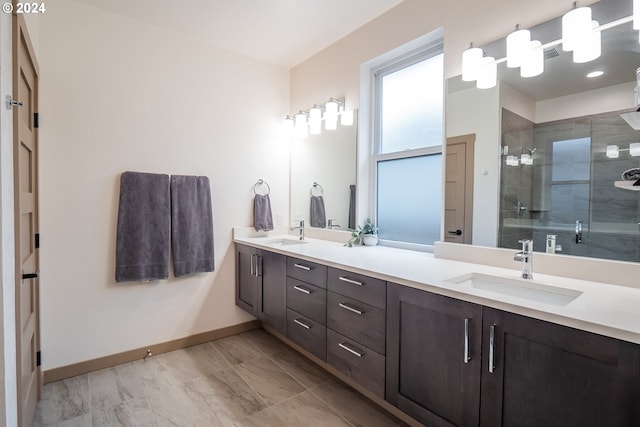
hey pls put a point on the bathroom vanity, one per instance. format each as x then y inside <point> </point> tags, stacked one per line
<point>447,342</point>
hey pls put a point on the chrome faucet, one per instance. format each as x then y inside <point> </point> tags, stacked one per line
<point>526,256</point>
<point>301,228</point>
<point>331,225</point>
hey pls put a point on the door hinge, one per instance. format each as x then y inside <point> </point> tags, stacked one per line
<point>36,120</point>
<point>37,240</point>
<point>38,358</point>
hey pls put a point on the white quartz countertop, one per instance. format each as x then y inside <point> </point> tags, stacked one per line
<point>602,308</point>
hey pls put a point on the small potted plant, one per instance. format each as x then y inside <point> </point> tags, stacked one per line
<point>367,235</point>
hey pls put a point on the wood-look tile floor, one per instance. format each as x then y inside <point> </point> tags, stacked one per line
<point>245,380</point>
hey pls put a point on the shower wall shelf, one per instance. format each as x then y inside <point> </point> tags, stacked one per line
<point>627,185</point>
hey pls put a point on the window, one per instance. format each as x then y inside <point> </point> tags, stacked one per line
<point>406,163</point>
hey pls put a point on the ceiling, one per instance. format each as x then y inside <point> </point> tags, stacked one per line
<point>279,32</point>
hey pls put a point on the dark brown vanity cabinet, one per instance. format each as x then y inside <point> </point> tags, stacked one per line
<point>433,356</point>
<point>356,320</point>
<point>454,363</point>
<point>549,375</point>
<point>307,305</point>
<point>261,285</point>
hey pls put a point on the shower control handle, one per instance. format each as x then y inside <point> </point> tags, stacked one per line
<point>578,232</point>
<point>456,232</point>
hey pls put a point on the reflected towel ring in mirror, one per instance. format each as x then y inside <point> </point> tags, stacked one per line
<point>316,190</point>
<point>258,185</point>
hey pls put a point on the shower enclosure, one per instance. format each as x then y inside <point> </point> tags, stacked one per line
<point>559,179</point>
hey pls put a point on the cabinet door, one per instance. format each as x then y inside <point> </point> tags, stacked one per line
<point>246,279</point>
<point>550,375</point>
<point>433,357</point>
<point>272,306</point>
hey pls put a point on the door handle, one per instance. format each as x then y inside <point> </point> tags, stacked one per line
<point>457,232</point>
<point>30,275</point>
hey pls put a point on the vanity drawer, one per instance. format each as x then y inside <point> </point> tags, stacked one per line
<point>308,299</point>
<point>307,271</point>
<point>307,333</point>
<point>362,288</point>
<point>357,320</point>
<point>356,361</point>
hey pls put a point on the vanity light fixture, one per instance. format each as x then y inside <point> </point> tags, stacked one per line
<point>591,47</point>
<point>533,63</point>
<point>636,14</point>
<point>310,122</point>
<point>346,117</point>
<point>471,62</point>
<point>488,73</point>
<point>512,161</point>
<point>301,130</point>
<point>526,159</point>
<point>634,149</point>
<point>287,125</point>
<point>576,27</point>
<point>613,151</point>
<point>331,114</point>
<point>580,35</point>
<point>518,46</point>
<point>315,120</point>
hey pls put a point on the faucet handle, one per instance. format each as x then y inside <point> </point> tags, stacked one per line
<point>527,245</point>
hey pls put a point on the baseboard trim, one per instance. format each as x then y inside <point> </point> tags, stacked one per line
<point>80,368</point>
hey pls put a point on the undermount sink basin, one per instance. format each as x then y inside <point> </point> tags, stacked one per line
<point>518,288</point>
<point>286,242</point>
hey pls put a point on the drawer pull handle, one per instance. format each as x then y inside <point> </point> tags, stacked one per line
<point>349,308</point>
<point>303,290</point>
<point>304,325</point>
<point>466,340</point>
<point>350,350</point>
<point>353,282</point>
<point>492,335</point>
<point>302,267</point>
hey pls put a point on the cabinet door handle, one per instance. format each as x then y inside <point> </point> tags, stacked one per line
<point>492,335</point>
<point>252,268</point>
<point>258,265</point>
<point>353,282</point>
<point>349,308</point>
<point>304,325</point>
<point>350,350</point>
<point>466,340</point>
<point>302,267</point>
<point>303,290</point>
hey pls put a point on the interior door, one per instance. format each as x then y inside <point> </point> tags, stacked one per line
<point>25,143</point>
<point>458,202</point>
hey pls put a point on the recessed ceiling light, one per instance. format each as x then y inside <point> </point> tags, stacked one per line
<point>595,74</point>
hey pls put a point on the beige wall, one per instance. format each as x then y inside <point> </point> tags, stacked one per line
<point>118,95</point>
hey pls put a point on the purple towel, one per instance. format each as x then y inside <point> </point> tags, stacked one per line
<point>143,240</point>
<point>191,225</point>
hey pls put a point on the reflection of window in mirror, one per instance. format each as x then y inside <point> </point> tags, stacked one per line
<point>407,159</point>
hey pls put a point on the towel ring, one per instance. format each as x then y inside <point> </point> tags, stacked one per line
<point>261,182</point>
<point>318,188</point>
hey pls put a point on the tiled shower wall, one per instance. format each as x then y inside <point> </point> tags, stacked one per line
<point>571,180</point>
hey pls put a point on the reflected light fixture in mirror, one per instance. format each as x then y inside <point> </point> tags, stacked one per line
<point>580,35</point>
<point>305,123</point>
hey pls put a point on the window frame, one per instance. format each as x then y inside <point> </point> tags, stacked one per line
<point>397,63</point>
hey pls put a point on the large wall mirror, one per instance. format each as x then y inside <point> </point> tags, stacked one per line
<point>327,160</point>
<point>554,155</point>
